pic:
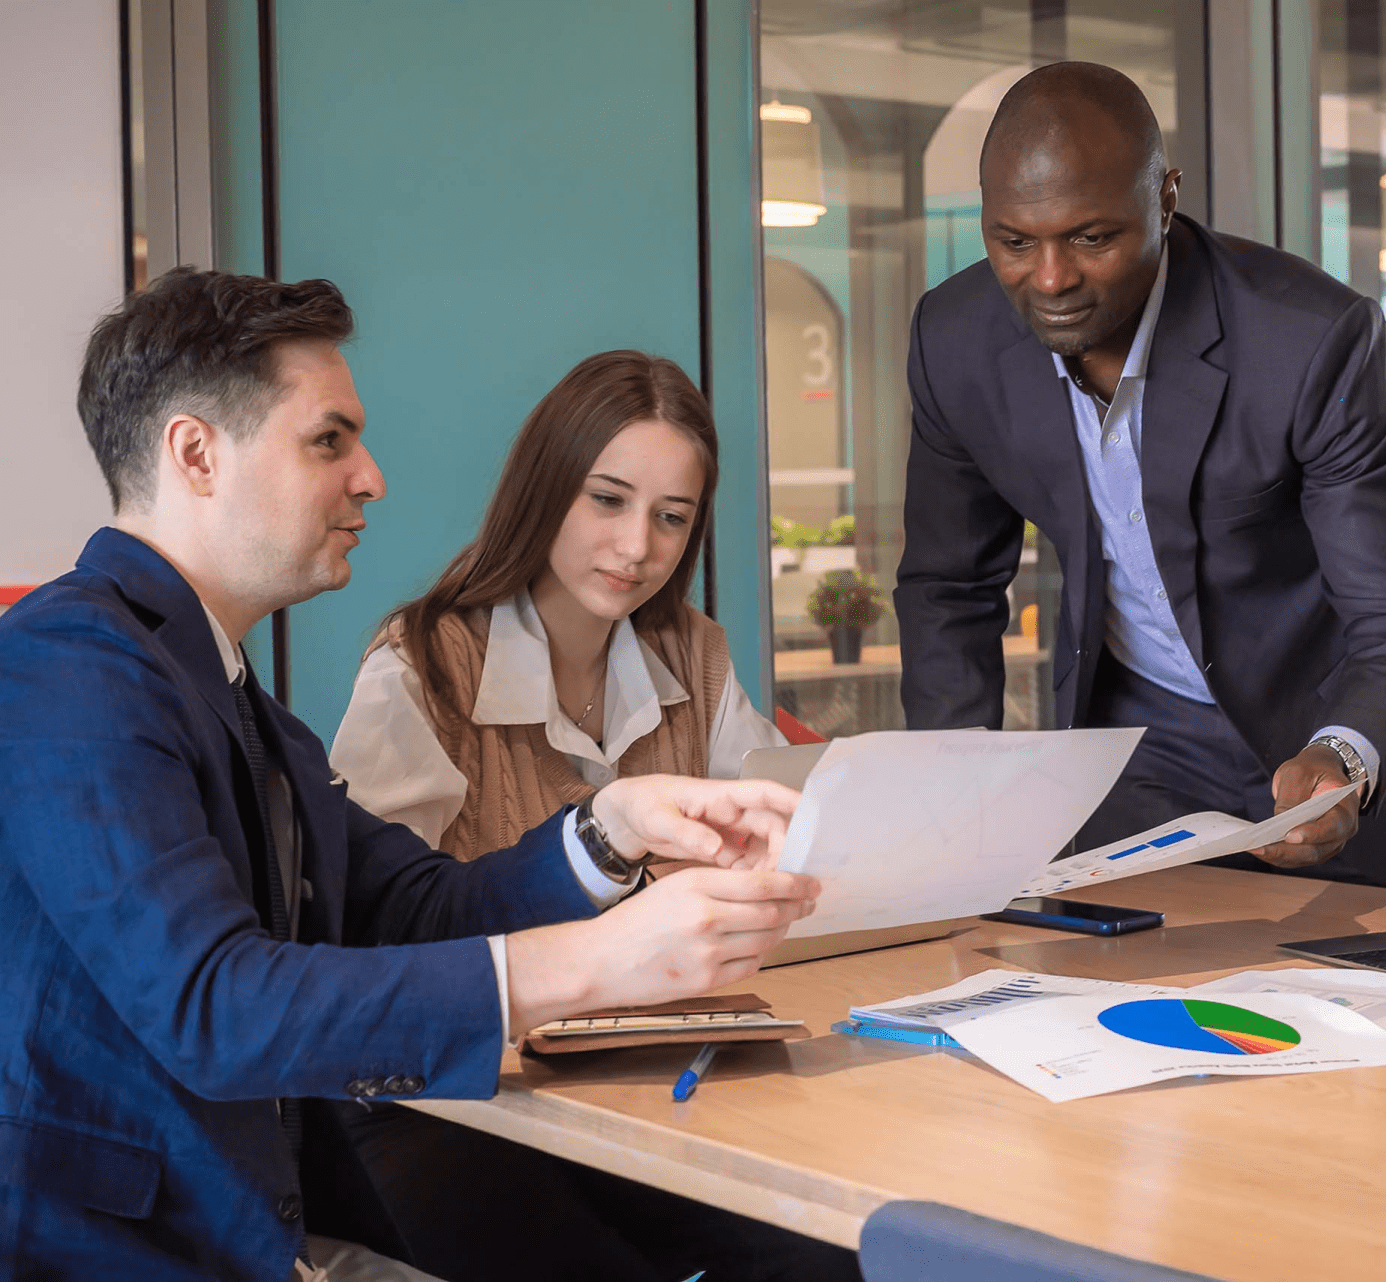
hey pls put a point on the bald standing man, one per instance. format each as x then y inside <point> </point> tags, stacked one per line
<point>1197,423</point>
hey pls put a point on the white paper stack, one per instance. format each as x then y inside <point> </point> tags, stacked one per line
<point>1067,1037</point>
<point>918,826</point>
<point>1069,1048</point>
<point>1363,991</point>
<point>987,990</point>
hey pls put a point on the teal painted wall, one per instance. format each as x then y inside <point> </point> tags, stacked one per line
<point>238,242</point>
<point>233,45</point>
<point>741,534</point>
<point>500,190</point>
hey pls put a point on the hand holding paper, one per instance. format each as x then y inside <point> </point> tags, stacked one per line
<point>1313,771</point>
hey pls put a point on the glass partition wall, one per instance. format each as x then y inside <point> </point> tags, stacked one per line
<point>872,119</point>
<point>1351,175</point>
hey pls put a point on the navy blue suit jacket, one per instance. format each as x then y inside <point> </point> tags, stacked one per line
<point>148,1022</point>
<point>1264,476</point>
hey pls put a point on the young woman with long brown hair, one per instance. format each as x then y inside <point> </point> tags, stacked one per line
<point>557,650</point>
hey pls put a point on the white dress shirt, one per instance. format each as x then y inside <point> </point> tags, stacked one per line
<point>388,749</point>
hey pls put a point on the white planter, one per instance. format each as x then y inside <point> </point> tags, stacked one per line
<point>782,559</point>
<point>821,560</point>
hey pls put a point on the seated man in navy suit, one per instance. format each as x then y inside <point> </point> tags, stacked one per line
<point>197,918</point>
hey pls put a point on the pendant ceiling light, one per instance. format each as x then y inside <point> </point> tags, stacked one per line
<point>791,167</point>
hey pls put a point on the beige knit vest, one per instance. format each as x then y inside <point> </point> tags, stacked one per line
<point>516,779</point>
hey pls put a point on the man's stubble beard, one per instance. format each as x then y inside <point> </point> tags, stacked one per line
<point>1067,348</point>
<point>1065,345</point>
<point>278,575</point>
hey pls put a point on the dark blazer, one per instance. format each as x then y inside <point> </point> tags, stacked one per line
<point>1264,474</point>
<point>147,1020</point>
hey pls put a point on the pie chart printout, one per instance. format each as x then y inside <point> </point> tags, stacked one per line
<point>1199,1026</point>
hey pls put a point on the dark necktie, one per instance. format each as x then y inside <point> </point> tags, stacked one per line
<point>255,751</point>
<point>290,1110</point>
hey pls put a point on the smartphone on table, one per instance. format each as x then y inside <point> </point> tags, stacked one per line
<point>1072,914</point>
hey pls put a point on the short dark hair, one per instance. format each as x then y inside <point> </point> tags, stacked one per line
<point>194,342</point>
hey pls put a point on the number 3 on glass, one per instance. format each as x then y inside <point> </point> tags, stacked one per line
<point>820,356</point>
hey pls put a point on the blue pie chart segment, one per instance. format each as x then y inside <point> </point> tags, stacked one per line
<point>1163,1022</point>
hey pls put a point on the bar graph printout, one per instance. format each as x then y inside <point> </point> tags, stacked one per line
<point>907,826</point>
<point>989,990</point>
<point>1205,835</point>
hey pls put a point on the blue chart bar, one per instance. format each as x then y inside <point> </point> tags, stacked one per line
<point>1158,843</point>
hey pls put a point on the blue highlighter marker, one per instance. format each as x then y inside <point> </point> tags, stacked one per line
<point>692,1075</point>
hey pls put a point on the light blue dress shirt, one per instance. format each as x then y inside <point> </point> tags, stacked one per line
<point>1141,630</point>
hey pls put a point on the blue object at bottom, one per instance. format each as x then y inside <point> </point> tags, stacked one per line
<point>889,1033</point>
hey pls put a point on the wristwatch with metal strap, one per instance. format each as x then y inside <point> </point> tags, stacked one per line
<point>1353,765</point>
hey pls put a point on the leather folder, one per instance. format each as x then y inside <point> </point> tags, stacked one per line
<point>740,1017</point>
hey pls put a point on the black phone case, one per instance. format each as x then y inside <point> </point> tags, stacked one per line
<point>1077,925</point>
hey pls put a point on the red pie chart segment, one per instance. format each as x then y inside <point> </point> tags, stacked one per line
<point>1250,1045</point>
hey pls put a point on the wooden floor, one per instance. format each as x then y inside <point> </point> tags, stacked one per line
<point>1255,1179</point>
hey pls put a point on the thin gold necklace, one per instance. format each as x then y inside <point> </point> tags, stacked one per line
<point>596,689</point>
<point>592,702</point>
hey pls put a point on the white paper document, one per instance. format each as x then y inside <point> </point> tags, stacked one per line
<point>1361,990</point>
<point>907,826</point>
<point>988,990</point>
<point>1205,835</point>
<point>1068,1048</point>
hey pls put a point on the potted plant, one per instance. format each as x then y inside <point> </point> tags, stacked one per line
<point>841,531</point>
<point>788,539</point>
<point>844,604</point>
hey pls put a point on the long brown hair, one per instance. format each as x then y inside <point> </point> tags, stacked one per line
<point>543,475</point>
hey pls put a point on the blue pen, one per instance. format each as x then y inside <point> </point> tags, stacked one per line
<point>692,1075</point>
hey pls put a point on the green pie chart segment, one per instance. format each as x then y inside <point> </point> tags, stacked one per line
<point>1189,1025</point>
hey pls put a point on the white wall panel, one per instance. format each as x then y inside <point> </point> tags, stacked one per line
<point>60,228</point>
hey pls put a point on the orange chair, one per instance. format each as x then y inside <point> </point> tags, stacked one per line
<point>795,730</point>
<point>10,593</point>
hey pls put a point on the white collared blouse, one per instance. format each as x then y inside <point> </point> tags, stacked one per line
<point>396,768</point>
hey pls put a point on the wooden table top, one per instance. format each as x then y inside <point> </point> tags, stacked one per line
<point>1277,1178</point>
<point>882,661</point>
